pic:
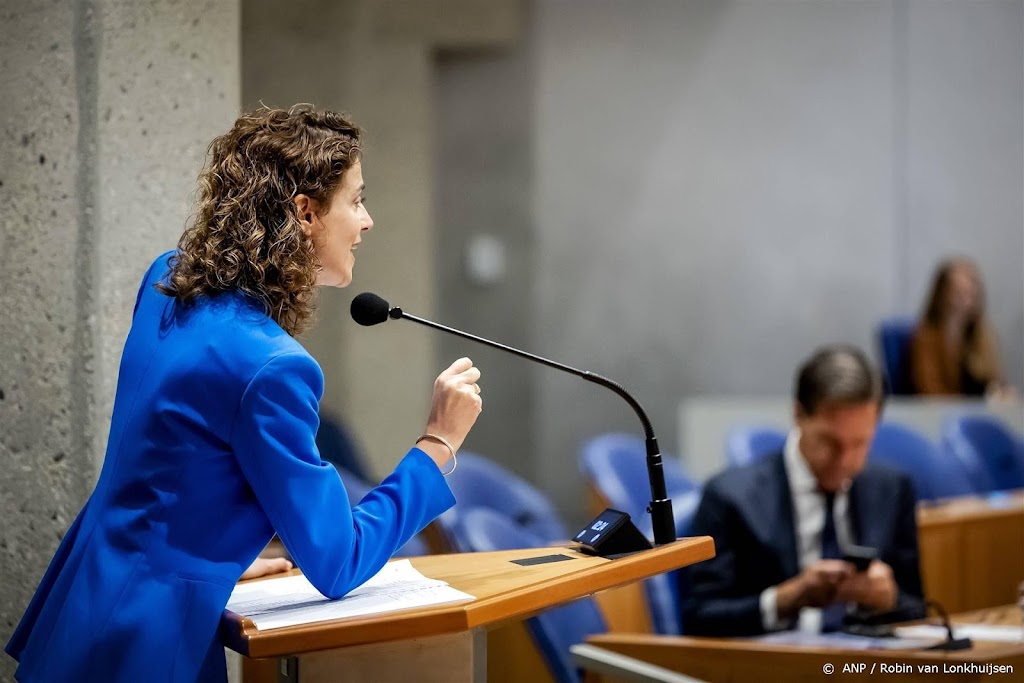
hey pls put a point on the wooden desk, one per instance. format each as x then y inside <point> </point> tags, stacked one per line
<point>972,550</point>
<point>447,642</point>
<point>727,660</point>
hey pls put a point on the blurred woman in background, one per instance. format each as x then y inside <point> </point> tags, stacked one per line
<point>954,350</point>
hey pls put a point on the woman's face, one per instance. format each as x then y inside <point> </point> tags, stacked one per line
<point>963,295</point>
<point>337,231</point>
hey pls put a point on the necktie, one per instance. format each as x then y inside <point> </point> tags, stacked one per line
<point>832,615</point>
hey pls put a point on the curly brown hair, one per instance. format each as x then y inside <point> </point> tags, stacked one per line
<point>246,234</point>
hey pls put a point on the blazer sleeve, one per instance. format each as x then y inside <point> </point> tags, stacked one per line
<point>336,546</point>
<point>714,605</point>
<point>904,557</point>
<point>161,261</point>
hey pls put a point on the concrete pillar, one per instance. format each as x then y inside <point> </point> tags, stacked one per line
<point>107,110</point>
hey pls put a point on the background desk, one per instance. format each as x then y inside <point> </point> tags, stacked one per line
<point>723,659</point>
<point>972,550</point>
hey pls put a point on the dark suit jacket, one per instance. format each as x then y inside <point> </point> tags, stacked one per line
<point>749,513</point>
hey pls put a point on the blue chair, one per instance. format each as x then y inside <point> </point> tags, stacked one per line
<point>338,447</point>
<point>933,471</point>
<point>894,343</point>
<point>615,466</point>
<point>744,445</point>
<point>991,453</point>
<point>482,529</point>
<point>479,482</point>
<point>357,487</point>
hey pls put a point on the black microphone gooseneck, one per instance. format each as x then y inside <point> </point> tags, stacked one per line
<point>951,643</point>
<point>370,309</point>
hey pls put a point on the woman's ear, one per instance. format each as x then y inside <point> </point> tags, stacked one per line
<point>305,211</point>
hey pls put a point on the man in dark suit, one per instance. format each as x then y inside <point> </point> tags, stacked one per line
<point>783,524</point>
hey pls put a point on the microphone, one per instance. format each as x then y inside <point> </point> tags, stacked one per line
<point>369,309</point>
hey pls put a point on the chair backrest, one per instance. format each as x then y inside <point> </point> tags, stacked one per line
<point>338,447</point>
<point>480,482</point>
<point>745,444</point>
<point>934,472</point>
<point>894,344</point>
<point>615,465</point>
<point>357,487</point>
<point>991,452</point>
<point>554,631</point>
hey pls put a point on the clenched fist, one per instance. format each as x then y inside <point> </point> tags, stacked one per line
<point>454,407</point>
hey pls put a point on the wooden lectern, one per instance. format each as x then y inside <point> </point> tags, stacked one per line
<point>445,642</point>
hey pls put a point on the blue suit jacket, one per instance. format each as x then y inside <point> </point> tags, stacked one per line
<point>749,513</point>
<point>211,450</point>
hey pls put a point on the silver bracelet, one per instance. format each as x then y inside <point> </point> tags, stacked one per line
<point>444,442</point>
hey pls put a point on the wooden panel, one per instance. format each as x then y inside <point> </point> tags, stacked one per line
<point>994,552</point>
<point>440,659</point>
<point>259,670</point>
<point>512,656</point>
<point>972,550</point>
<point>943,565</point>
<point>625,609</point>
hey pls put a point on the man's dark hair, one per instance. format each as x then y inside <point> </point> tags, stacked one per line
<point>837,374</point>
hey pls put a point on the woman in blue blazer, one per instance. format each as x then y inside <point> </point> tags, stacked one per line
<point>211,448</point>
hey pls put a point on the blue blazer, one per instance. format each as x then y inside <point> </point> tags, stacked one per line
<point>749,513</point>
<point>211,451</point>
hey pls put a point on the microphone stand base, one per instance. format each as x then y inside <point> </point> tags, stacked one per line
<point>611,534</point>
<point>953,645</point>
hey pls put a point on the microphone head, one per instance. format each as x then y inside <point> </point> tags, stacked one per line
<point>369,309</point>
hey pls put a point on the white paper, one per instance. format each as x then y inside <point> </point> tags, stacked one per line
<point>292,600</point>
<point>847,641</point>
<point>991,632</point>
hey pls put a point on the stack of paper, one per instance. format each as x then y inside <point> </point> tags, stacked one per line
<point>990,632</point>
<point>289,601</point>
<point>848,641</point>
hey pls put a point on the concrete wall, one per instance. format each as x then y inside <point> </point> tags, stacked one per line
<point>719,187</point>
<point>483,169</point>
<point>376,61</point>
<point>107,110</point>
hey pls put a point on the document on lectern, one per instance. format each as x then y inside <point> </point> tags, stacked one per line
<point>292,600</point>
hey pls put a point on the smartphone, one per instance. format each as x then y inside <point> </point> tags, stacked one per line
<point>860,556</point>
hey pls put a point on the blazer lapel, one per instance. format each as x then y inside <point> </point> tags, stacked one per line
<point>785,531</point>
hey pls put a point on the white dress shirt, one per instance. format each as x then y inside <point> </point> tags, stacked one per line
<point>808,522</point>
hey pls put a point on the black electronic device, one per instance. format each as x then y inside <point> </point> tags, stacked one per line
<point>611,533</point>
<point>860,556</point>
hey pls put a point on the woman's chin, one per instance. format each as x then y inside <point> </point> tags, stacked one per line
<point>336,280</point>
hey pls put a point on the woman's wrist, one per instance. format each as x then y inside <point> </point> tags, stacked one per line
<point>440,450</point>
